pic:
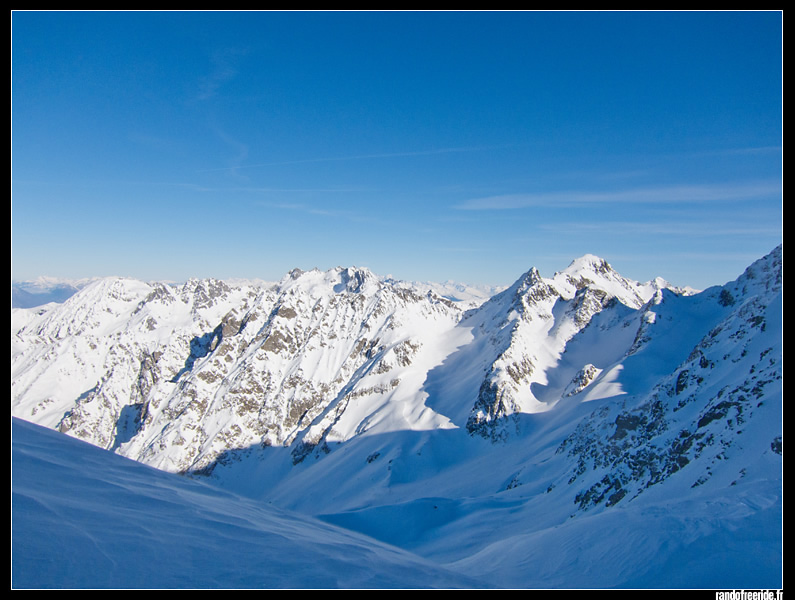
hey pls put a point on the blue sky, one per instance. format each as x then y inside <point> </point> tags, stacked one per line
<point>427,146</point>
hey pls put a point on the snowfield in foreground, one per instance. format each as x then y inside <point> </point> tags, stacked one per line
<point>83,517</point>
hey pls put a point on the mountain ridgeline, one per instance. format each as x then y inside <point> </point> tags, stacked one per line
<point>342,394</point>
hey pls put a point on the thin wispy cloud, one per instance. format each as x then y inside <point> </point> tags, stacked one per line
<point>223,68</point>
<point>239,148</point>
<point>753,150</point>
<point>351,158</point>
<point>673,228</point>
<point>275,190</point>
<point>307,209</point>
<point>460,249</point>
<point>303,208</point>
<point>205,189</point>
<point>648,195</point>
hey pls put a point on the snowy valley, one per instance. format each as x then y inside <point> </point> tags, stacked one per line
<point>578,431</point>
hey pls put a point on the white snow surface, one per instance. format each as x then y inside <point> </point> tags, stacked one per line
<point>85,518</point>
<point>580,431</point>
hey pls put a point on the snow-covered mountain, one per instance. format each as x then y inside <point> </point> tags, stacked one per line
<point>583,430</point>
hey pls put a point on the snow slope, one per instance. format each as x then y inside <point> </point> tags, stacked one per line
<point>85,518</point>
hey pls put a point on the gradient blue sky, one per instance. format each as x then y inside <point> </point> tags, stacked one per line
<point>429,146</point>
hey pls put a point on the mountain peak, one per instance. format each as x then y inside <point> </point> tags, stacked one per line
<point>340,279</point>
<point>589,263</point>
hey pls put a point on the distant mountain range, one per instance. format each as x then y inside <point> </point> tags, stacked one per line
<point>29,294</point>
<point>582,430</point>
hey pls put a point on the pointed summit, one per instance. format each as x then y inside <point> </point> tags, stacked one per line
<point>595,272</point>
<point>588,263</point>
